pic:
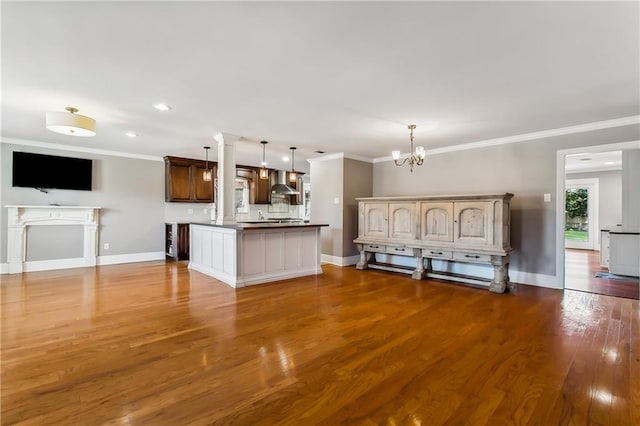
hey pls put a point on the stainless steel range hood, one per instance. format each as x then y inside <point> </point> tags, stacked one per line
<point>281,187</point>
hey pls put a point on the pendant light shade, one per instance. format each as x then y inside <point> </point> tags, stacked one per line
<point>206,174</point>
<point>70,123</point>
<point>293,176</point>
<point>264,172</point>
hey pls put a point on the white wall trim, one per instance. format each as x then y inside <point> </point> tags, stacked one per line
<point>339,261</point>
<point>340,155</point>
<point>115,259</point>
<point>72,148</point>
<point>598,125</point>
<point>560,177</point>
<point>79,262</point>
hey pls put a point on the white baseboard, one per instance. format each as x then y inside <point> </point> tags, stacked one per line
<point>340,261</point>
<point>50,265</point>
<point>130,258</point>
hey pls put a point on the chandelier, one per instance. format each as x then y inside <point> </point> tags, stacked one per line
<point>415,157</point>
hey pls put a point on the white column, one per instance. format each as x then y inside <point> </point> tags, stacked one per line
<point>225,201</point>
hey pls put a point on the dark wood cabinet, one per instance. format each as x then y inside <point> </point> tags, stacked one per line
<point>184,180</point>
<point>263,187</point>
<point>297,184</point>
<point>177,241</point>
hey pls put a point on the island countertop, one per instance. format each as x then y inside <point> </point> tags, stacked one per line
<point>240,226</point>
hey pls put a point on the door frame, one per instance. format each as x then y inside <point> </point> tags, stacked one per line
<point>593,207</point>
<point>560,178</point>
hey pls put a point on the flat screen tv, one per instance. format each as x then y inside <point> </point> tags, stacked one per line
<point>51,172</point>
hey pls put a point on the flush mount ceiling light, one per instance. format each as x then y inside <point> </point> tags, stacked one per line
<point>206,174</point>
<point>415,157</point>
<point>162,107</point>
<point>293,176</point>
<point>264,172</point>
<point>70,123</point>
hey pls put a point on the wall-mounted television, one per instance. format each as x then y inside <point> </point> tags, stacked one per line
<point>51,172</point>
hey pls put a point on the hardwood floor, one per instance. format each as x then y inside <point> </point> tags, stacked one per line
<point>155,344</point>
<point>580,270</point>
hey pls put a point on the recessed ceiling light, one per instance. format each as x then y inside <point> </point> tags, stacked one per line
<point>285,158</point>
<point>162,107</point>
<point>131,134</point>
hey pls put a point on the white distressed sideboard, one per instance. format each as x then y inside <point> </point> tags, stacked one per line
<point>454,228</point>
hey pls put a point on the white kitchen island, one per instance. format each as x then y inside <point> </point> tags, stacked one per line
<point>246,254</point>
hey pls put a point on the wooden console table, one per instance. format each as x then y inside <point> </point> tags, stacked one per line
<point>454,228</point>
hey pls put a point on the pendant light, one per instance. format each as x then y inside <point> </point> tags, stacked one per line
<point>293,176</point>
<point>206,174</point>
<point>70,123</point>
<point>264,172</point>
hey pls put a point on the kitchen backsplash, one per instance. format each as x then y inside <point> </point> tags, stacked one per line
<point>196,212</point>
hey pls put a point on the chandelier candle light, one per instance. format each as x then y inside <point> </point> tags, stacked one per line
<point>70,123</point>
<point>415,157</point>
<point>264,172</point>
<point>206,174</point>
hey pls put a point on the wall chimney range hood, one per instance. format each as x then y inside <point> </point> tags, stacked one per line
<point>281,187</point>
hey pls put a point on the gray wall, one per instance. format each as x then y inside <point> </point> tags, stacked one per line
<point>326,184</point>
<point>358,182</point>
<point>130,192</point>
<point>610,195</point>
<point>527,169</point>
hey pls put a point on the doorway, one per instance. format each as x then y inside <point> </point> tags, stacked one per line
<point>581,200</point>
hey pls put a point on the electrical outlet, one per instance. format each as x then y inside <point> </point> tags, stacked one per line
<point>336,200</point>
<point>105,246</point>
<point>206,211</point>
<point>547,198</point>
<point>189,211</point>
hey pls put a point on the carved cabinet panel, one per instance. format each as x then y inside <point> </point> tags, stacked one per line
<point>436,221</point>
<point>376,219</point>
<point>473,222</point>
<point>402,220</point>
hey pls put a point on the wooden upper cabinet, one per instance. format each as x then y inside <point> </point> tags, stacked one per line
<point>184,181</point>
<point>263,187</point>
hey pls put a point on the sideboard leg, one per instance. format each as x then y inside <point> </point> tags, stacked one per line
<point>419,273</point>
<point>362,263</point>
<point>500,277</point>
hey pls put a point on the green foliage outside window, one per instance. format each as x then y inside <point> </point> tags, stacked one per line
<point>576,202</point>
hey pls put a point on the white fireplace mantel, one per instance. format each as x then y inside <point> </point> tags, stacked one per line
<point>21,216</point>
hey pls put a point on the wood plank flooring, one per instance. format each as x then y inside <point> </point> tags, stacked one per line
<point>156,344</point>
<point>580,270</point>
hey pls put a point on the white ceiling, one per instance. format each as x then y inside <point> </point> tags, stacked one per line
<point>593,161</point>
<point>336,77</point>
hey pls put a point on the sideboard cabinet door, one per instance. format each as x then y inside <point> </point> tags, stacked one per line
<point>473,223</point>
<point>436,221</point>
<point>402,221</point>
<point>376,220</point>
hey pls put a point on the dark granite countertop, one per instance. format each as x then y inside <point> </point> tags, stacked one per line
<point>266,225</point>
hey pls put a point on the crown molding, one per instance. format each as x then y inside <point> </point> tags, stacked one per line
<point>72,148</point>
<point>340,155</point>
<point>588,127</point>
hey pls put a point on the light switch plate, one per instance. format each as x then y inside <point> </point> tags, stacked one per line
<point>547,198</point>
<point>336,200</point>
